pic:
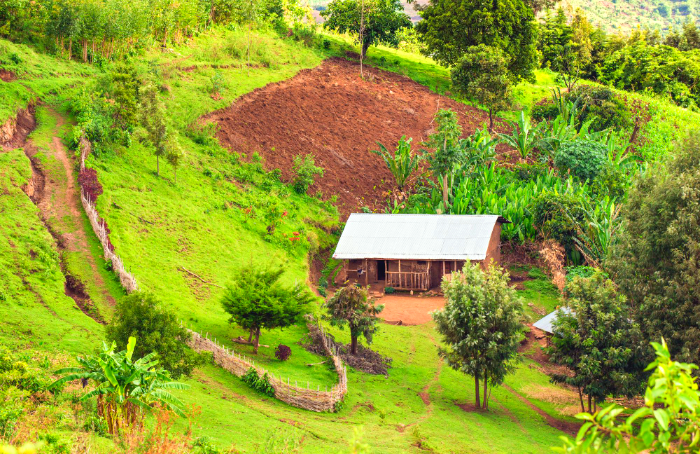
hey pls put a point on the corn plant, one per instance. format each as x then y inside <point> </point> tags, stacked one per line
<point>599,230</point>
<point>402,163</point>
<point>524,137</point>
<point>124,388</point>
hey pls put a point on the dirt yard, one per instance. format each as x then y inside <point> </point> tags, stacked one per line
<point>330,112</point>
<point>409,310</point>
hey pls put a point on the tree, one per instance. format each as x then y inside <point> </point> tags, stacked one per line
<point>669,421</point>
<point>480,325</point>
<point>450,27</point>
<point>124,387</point>
<point>175,154</point>
<point>124,88</point>
<point>447,153</point>
<point>379,20</point>
<point>482,76</point>
<point>256,300</point>
<point>655,261</point>
<point>597,341</point>
<point>352,306</point>
<point>402,163</point>
<point>153,120</point>
<point>142,316</point>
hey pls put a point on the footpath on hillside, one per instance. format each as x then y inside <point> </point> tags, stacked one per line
<point>55,191</point>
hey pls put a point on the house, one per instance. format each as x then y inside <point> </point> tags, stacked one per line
<point>415,251</point>
<point>546,323</point>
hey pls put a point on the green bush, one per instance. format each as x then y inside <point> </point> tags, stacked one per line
<point>258,383</point>
<point>583,159</point>
<point>602,107</point>
<point>556,216</point>
<point>305,172</point>
<point>544,111</point>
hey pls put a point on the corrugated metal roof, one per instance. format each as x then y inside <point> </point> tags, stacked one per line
<point>416,236</point>
<point>547,322</point>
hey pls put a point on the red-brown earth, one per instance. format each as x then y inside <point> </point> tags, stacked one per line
<point>331,112</point>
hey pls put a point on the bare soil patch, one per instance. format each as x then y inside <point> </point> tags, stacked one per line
<point>15,130</point>
<point>409,310</point>
<point>7,75</point>
<point>330,112</point>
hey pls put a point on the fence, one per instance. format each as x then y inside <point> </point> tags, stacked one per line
<point>128,281</point>
<point>287,390</point>
<point>295,395</point>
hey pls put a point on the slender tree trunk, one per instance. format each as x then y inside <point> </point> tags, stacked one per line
<point>580,396</point>
<point>257,341</point>
<point>70,48</point>
<point>590,400</point>
<point>486,393</point>
<point>445,191</point>
<point>477,400</point>
<point>353,344</point>
<point>250,335</point>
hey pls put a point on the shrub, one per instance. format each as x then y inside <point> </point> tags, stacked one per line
<point>305,172</point>
<point>602,107</point>
<point>544,111</point>
<point>583,159</point>
<point>157,330</point>
<point>283,352</point>
<point>556,216</point>
<point>258,383</point>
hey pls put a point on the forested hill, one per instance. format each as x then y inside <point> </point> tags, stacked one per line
<point>624,16</point>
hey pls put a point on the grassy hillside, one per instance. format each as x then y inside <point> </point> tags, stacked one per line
<point>182,240</point>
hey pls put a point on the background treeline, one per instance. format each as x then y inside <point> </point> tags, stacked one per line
<point>643,61</point>
<point>92,30</point>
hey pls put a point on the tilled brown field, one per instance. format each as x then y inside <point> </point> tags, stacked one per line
<point>330,112</point>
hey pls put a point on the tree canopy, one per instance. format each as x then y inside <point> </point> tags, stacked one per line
<point>480,325</point>
<point>481,75</point>
<point>656,259</point>
<point>450,27</point>
<point>380,23</point>
<point>597,341</point>
<point>256,300</point>
<point>142,316</point>
<point>352,306</point>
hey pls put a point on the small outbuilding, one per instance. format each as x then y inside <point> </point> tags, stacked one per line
<point>546,323</point>
<point>415,251</point>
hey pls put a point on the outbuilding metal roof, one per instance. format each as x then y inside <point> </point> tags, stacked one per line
<point>416,236</point>
<point>546,323</point>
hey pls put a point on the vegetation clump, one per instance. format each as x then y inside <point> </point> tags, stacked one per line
<point>352,306</point>
<point>480,326</point>
<point>305,171</point>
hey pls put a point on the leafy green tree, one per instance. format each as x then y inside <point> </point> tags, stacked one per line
<point>554,34</point>
<point>447,152</point>
<point>402,163</point>
<point>482,76</point>
<point>124,88</point>
<point>352,306</point>
<point>584,159</point>
<point>480,325</point>
<point>305,171</point>
<point>256,300</point>
<point>669,421</point>
<point>153,120</point>
<point>175,154</point>
<point>377,21</point>
<point>655,261</point>
<point>124,387</point>
<point>596,340</point>
<point>142,316</point>
<point>450,27</point>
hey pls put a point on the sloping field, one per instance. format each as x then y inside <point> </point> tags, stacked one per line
<point>334,114</point>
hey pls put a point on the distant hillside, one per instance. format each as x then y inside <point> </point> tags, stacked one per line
<point>614,16</point>
<point>623,16</point>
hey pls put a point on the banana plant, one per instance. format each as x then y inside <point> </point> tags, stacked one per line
<point>479,149</point>
<point>402,163</point>
<point>124,388</point>
<point>524,137</point>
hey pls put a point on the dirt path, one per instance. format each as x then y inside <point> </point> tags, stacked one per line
<point>409,310</point>
<point>55,191</point>
<point>569,427</point>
